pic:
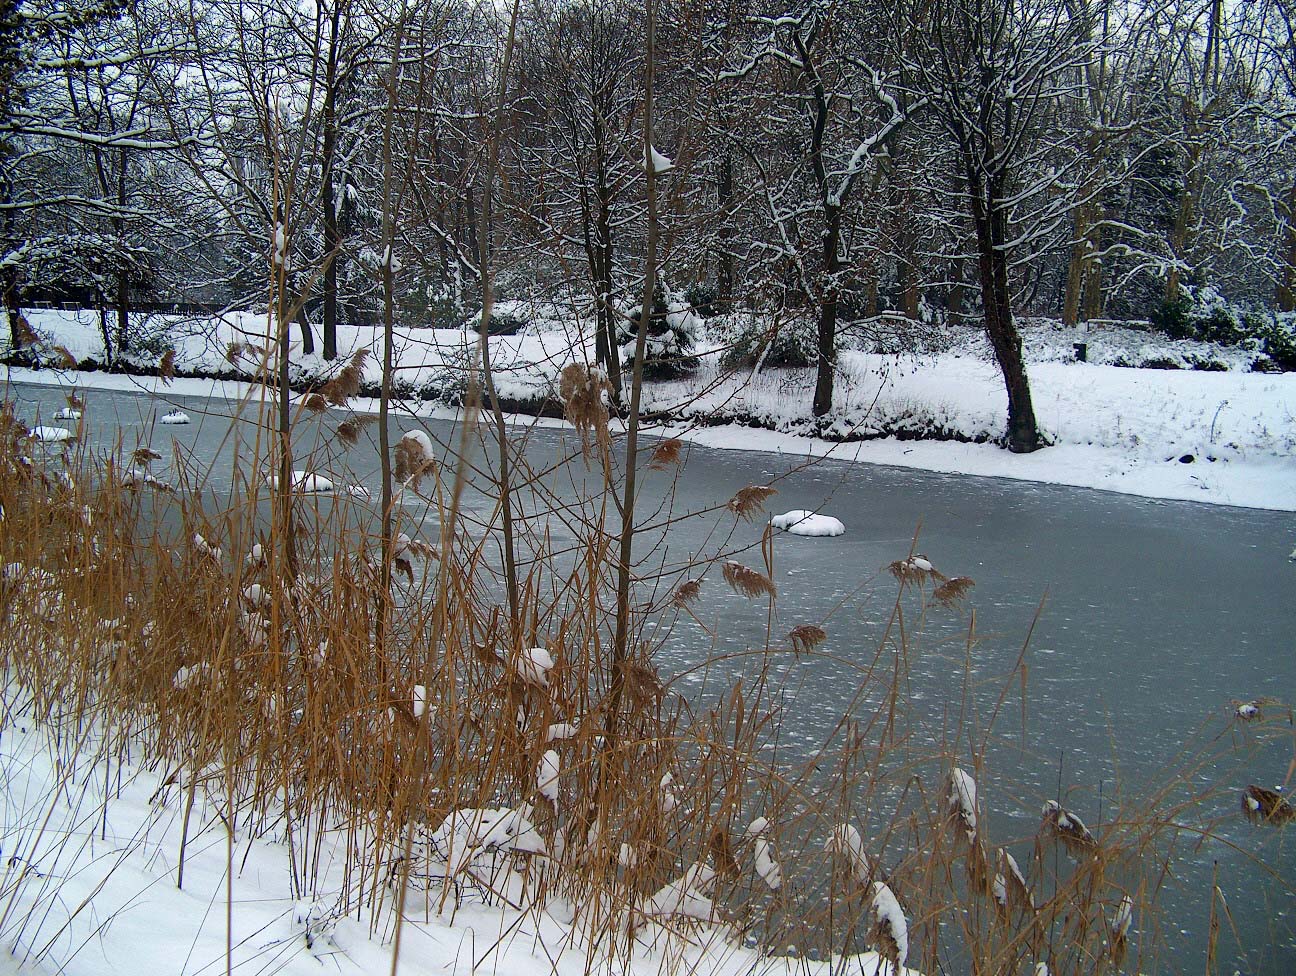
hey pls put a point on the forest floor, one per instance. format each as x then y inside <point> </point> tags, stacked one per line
<point>1144,415</point>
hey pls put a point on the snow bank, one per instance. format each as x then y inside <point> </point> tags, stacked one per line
<point>801,522</point>
<point>1220,437</point>
<point>97,894</point>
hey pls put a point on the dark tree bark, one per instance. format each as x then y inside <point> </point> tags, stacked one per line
<point>1286,295</point>
<point>328,190</point>
<point>308,339</point>
<point>826,359</point>
<point>596,222</point>
<point>123,264</point>
<point>12,306</point>
<point>907,280</point>
<point>826,367</point>
<point>954,298</point>
<point>990,218</point>
<point>10,58</point>
<point>724,248</point>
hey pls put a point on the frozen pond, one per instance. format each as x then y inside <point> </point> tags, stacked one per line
<point>1155,615</point>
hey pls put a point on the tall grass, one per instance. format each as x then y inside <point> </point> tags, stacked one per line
<point>461,750</point>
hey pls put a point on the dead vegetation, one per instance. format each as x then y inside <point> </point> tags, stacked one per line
<point>279,695</point>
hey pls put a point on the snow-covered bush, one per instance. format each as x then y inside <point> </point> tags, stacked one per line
<point>673,332</point>
<point>502,323</point>
<point>1278,342</point>
<point>1203,314</point>
<point>449,383</point>
<point>1206,315</point>
<point>750,339</point>
<point>432,305</point>
<point>148,336</point>
<point>703,299</point>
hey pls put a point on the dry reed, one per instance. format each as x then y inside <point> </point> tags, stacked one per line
<point>583,392</point>
<point>1263,805</point>
<point>687,593</point>
<point>750,501</point>
<point>666,454</point>
<point>747,581</point>
<point>174,628</point>
<point>346,383</point>
<point>804,638</point>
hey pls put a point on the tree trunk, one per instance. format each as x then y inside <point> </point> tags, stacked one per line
<point>1075,272</point>
<point>13,308</point>
<point>328,190</point>
<point>991,221</point>
<point>332,238</point>
<point>1286,296</point>
<point>907,266</point>
<point>607,319</point>
<point>1091,303</point>
<point>123,267</point>
<point>308,340</point>
<point>724,246</point>
<point>607,351</point>
<point>954,298</point>
<point>910,292</point>
<point>123,309</point>
<point>826,365</point>
<point>474,246</point>
<point>9,276</point>
<point>1181,232</point>
<point>1083,298</point>
<point>104,331</point>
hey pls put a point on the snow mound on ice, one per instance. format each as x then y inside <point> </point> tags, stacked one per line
<point>303,481</point>
<point>51,435</point>
<point>801,522</point>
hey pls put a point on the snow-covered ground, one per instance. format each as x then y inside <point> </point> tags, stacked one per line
<point>88,887</point>
<point>1225,436</point>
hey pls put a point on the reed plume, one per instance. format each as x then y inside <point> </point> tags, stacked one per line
<point>915,570</point>
<point>347,382</point>
<point>1262,805</point>
<point>166,366</point>
<point>348,432</point>
<point>1069,829</point>
<point>750,501</point>
<point>746,581</point>
<point>806,637</point>
<point>665,454</point>
<point>581,389</point>
<point>951,592</point>
<point>414,458</point>
<point>687,593</point>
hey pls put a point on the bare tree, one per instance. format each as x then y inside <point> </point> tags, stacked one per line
<point>81,135</point>
<point>995,73</point>
<point>853,110</point>
<point>580,93</point>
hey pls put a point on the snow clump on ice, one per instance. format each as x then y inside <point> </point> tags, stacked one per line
<point>801,522</point>
<point>50,435</point>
